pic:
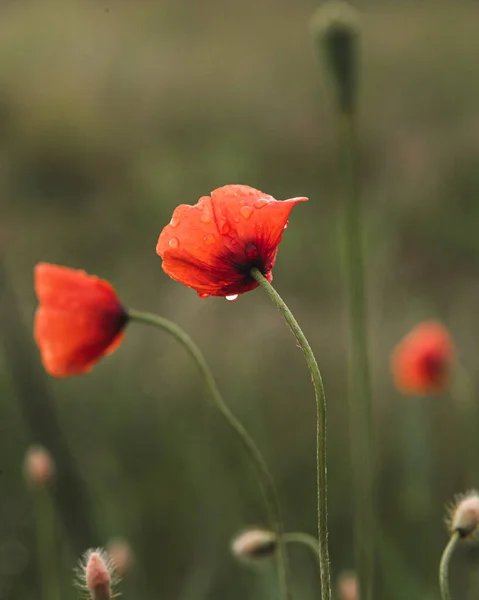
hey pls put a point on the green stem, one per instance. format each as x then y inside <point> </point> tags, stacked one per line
<point>298,537</point>
<point>321,430</point>
<point>47,559</point>
<point>467,414</point>
<point>360,386</point>
<point>266,480</point>
<point>444,565</point>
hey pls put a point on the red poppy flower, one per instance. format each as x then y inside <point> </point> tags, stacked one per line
<point>421,362</point>
<point>79,320</point>
<point>213,245</point>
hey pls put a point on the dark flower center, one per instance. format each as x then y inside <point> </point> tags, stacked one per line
<point>434,365</point>
<point>255,259</point>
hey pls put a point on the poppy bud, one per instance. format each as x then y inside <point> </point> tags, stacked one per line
<point>348,586</point>
<point>96,575</point>
<point>39,467</point>
<point>254,543</point>
<point>463,515</point>
<point>120,553</point>
<point>335,27</point>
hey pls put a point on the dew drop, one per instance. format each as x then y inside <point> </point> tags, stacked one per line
<point>286,225</point>
<point>260,203</point>
<point>225,228</point>
<point>175,221</point>
<point>246,211</point>
<point>203,296</point>
<point>205,218</point>
<point>231,298</point>
<point>209,239</point>
<point>173,243</point>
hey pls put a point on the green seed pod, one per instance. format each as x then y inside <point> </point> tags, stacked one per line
<point>254,544</point>
<point>335,28</point>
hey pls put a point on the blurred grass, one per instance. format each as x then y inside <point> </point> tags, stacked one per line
<point>111,115</point>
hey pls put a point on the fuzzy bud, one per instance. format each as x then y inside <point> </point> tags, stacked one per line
<point>348,586</point>
<point>254,543</point>
<point>335,27</point>
<point>96,575</point>
<point>463,516</point>
<point>39,467</point>
<point>120,553</point>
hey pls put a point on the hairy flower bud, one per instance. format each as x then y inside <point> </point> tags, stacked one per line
<point>348,586</point>
<point>463,516</point>
<point>39,467</point>
<point>96,575</point>
<point>335,27</point>
<point>254,543</point>
<point>120,553</point>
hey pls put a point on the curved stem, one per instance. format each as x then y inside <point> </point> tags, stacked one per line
<point>444,565</point>
<point>298,537</point>
<point>46,547</point>
<point>359,396</point>
<point>321,429</point>
<point>266,480</point>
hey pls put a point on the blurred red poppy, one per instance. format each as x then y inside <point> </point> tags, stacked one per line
<point>79,319</point>
<point>213,245</point>
<point>421,362</point>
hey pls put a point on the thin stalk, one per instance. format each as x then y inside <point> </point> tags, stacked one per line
<point>268,487</point>
<point>322,485</point>
<point>444,565</point>
<point>298,537</point>
<point>360,386</point>
<point>45,537</point>
<point>464,402</point>
<point>101,594</point>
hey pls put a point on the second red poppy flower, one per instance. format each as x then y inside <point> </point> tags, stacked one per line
<point>213,245</point>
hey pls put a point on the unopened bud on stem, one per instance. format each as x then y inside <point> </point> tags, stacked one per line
<point>39,467</point>
<point>335,27</point>
<point>120,553</point>
<point>348,586</point>
<point>463,516</point>
<point>96,575</point>
<point>254,544</point>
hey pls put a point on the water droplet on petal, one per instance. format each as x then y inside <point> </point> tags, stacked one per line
<point>225,228</point>
<point>205,218</point>
<point>173,243</point>
<point>286,225</point>
<point>231,298</point>
<point>175,221</point>
<point>246,211</point>
<point>203,296</point>
<point>209,239</point>
<point>260,203</point>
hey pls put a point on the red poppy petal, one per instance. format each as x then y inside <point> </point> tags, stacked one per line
<point>192,228</point>
<point>206,280</point>
<point>63,287</point>
<point>250,215</point>
<point>71,343</point>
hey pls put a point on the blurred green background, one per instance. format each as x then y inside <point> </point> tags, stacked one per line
<point>111,114</point>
